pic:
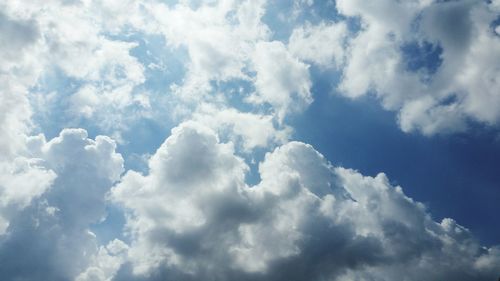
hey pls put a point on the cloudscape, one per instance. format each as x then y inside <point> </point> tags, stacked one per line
<point>259,140</point>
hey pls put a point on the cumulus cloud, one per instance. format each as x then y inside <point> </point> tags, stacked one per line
<point>219,39</point>
<point>43,46</point>
<point>228,41</point>
<point>49,237</point>
<point>432,99</point>
<point>247,130</point>
<point>191,214</point>
<point>18,71</point>
<point>194,217</point>
<point>282,80</point>
<point>322,44</point>
<point>21,181</point>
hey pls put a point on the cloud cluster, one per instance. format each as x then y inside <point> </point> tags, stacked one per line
<point>192,216</point>
<point>435,63</point>
<point>44,45</point>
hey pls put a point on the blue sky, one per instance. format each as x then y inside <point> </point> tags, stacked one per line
<point>249,140</point>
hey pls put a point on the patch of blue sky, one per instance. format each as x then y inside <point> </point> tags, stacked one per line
<point>283,16</point>
<point>143,137</point>
<point>423,57</point>
<point>111,227</point>
<point>253,160</point>
<point>164,65</point>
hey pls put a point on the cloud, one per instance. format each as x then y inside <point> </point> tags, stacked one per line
<point>18,71</point>
<point>49,238</point>
<point>21,181</point>
<point>190,214</point>
<point>64,43</point>
<point>248,130</point>
<point>219,39</point>
<point>105,262</point>
<point>227,41</point>
<point>282,80</point>
<point>462,87</point>
<point>192,217</point>
<point>322,44</point>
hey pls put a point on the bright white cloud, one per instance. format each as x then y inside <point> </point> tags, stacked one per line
<point>282,80</point>
<point>251,130</point>
<point>106,262</point>
<point>191,217</point>
<point>467,75</point>
<point>57,41</point>
<point>219,39</point>
<point>21,181</point>
<point>322,44</point>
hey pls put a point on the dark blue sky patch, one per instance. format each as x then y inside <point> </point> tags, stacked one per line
<point>422,57</point>
<point>494,24</point>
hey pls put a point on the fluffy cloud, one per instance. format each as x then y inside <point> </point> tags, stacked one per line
<point>227,41</point>
<point>282,80</point>
<point>191,214</point>
<point>18,71</point>
<point>192,217</point>
<point>219,39</point>
<point>248,130</point>
<point>47,44</point>
<point>441,98</point>
<point>170,204</point>
<point>322,44</point>
<point>21,181</point>
<point>49,238</point>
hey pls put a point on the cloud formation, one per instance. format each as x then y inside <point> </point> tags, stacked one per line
<point>230,79</point>
<point>462,87</point>
<point>49,237</point>
<point>194,217</point>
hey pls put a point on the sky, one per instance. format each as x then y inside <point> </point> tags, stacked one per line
<point>256,140</point>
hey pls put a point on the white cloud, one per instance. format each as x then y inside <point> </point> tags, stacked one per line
<point>251,130</point>
<point>467,75</point>
<point>170,203</point>
<point>106,262</point>
<point>21,181</point>
<point>219,38</point>
<point>190,217</point>
<point>49,237</point>
<point>67,38</point>
<point>322,44</point>
<point>18,71</point>
<point>282,80</point>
